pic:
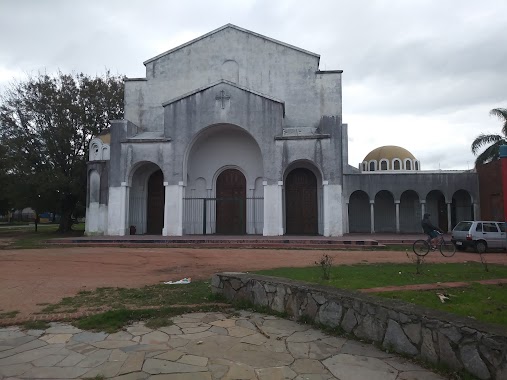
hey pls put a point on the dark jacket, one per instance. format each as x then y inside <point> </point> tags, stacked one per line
<point>427,226</point>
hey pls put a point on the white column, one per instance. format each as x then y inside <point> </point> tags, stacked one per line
<point>273,217</point>
<point>332,209</point>
<point>118,210</point>
<point>372,216</point>
<point>423,211</point>
<point>173,210</point>
<point>397,204</point>
<point>449,221</point>
<point>476,212</point>
<point>346,227</point>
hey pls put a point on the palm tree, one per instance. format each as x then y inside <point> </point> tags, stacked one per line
<point>492,152</point>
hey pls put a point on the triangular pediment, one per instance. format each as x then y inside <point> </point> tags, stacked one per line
<point>223,81</point>
<point>231,26</point>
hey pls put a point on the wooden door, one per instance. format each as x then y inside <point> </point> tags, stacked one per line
<point>301,203</point>
<point>156,201</point>
<point>231,203</point>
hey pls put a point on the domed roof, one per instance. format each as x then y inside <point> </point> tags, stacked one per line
<point>389,152</point>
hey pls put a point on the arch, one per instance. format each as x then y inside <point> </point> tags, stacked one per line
<point>385,212</point>
<point>416,165</point>
<point>408,164</point>
<point>372,166</point>
<point>437,208</point>
<point>301,202</point>
<point>462,207</point>
<point>138,179</point>
<point>410,212</point>
<point>359,212</point>
<point>229,155</point>
<point>396,164</point>
<point>384,164</point>
<point>231,202</point>
<point>94,181</point>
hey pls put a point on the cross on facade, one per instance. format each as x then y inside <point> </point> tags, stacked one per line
<point>222,97</point>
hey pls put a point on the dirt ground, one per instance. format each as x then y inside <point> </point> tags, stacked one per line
<point>32,277</point>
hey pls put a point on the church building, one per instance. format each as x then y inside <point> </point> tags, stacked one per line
<point>236,133</point>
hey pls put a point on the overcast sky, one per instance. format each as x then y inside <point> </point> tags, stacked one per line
<point>419,74</point>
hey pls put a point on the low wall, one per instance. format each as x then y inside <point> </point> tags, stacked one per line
<point>433,336</point>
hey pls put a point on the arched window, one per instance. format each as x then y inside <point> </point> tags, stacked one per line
<point>364,167</point>
<point>396,164</point>
<point>408,165</point>
<point>417,165</point>
<point>383,165</point>
<point>372,166</point>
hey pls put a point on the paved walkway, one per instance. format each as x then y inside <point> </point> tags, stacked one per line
<point>199,346</point>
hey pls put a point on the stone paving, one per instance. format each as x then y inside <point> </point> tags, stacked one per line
<point>200,346</point>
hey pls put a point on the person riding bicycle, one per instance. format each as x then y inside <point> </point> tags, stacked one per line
<point>430,230</point>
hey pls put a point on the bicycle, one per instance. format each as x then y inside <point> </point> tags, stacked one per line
<point>422,247</point>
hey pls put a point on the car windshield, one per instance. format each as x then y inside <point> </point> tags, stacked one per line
<point>463,226</point>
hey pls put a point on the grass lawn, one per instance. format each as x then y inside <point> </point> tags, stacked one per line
<point>121,306</point>
<point>26,237</point>
<point>364,276</point>
<point>486,303</point>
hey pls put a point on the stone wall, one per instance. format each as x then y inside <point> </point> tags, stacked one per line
<point>436,337</point>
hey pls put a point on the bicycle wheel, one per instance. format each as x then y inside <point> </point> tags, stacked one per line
<point>421,247</point>
<point>447,249</point>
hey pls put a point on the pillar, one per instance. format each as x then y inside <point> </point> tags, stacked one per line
<point>332,209</point>
<point>503,158</point>
<point>397,204</point>
<point>449,217</point>
<point>372,216</point>
<point>273,209</point>
<point>118,210</point>
<point>423,211</point>
<point>173,210</point>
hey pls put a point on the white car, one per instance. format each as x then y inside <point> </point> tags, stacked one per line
<point>480,235</point>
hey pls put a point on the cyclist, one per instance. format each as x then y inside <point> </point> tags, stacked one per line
<point>430,230</point>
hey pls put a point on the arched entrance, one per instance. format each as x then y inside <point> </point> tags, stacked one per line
<point>359,212</point>
<point>410,212</point>
<point>385,212</point>
<point>437,208</point>
<point>301,207</point>
<point>231,202</point>
<point>155,206</point>
<point>462,208</point>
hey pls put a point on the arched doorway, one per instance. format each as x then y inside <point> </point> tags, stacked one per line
<point>359,212</point>
<point>231,203</point>
<point>462,208</point>
<point>437,208</point>
<point>301,207</point>
<point>155,206</point>
<point>385,212</point>
<point>410,212</point>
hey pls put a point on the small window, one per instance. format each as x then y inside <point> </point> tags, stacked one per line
<point>416,165</point>
<point>364,167</point>
<point>501,226</point>
<point>408,165</point>
<point>479,227</point>
<point>490,227</point>
<point>372,166</point>
<point>396,165</point>
<point>383,165</point>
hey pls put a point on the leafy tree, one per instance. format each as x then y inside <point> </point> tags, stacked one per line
<point>492,152</point>
<point>46,124</point>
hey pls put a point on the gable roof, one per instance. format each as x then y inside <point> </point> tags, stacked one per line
<point>230,84</point>
<point>233,27</point>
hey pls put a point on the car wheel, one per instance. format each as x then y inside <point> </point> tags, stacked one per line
<point>481,246</point>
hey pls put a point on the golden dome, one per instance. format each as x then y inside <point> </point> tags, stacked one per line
<point>389,152</point>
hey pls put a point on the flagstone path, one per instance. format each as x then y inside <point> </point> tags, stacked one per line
<point>199,346</point>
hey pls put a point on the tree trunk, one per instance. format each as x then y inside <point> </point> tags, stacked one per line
<point>68,204</point>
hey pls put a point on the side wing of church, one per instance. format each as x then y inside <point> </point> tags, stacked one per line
<point>235,133</point>
<point>231,133</point>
